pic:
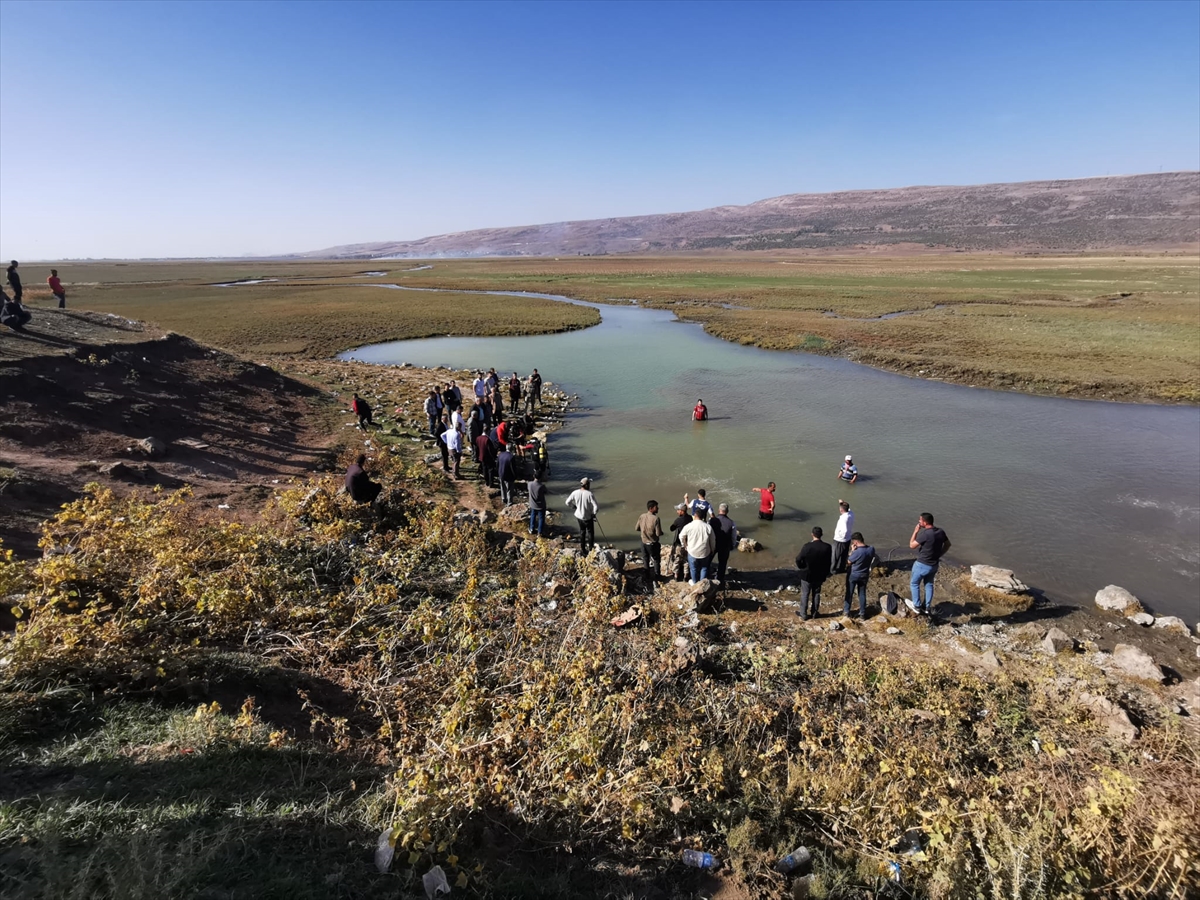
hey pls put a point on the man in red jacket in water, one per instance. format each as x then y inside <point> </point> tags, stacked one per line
<point>700,413</point>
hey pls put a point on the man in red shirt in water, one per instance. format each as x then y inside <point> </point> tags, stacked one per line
<point>700,413</point>
<point>766,504</point>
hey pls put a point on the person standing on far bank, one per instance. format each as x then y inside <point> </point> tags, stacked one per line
<point>861,557</point>
<point>931,545</point>
<point>582,503</point>
<point>841,537</point>
<point>650,529</point>
<point>56,289</point>
<point>15,280</point>
<point>813,561</point>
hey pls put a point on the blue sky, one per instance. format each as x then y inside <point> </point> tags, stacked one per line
<point>199,129</point>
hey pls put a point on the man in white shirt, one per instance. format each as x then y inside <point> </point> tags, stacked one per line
<point>582,502</point>
<point>841,537</point>
<point>453,440</point>
<point>699,540</point>
<point>480,387</point>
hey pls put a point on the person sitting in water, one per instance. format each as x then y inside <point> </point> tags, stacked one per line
<point>849,471</point>
<point>700,413</point>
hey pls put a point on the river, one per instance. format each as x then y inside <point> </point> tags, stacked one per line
<point>1072,495</point>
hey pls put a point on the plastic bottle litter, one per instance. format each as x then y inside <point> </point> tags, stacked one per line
<point>698,859</point>
<point>894,871</point>
<point>797,859</point>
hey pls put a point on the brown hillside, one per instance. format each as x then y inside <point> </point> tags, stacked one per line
<point>1157,211</point>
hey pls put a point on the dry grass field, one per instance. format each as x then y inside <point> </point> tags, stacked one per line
<point>1125,328</point>
<point>309,310</point>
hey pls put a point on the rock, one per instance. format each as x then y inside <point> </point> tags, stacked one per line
<point>1171,623</point>
<point>991,661</point>
<point>432,458</point>
<point>987,629</point>
<point>153,447</point>
<point>560,590</point>
<point>835,625</point>
<point>1118,600</point>
<point>997,579</point>
<point>1056,641</point>
<point>1142,618</point>
<point>1111,716</point>
<point>749,545</point>
<point>894,630</point>
<point>613,564</point>
<point>516,512</point>
<point>689,597</point>
<point>1136,662</point>
<point>1031,631</point>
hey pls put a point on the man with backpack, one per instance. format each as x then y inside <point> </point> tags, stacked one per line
<point>931,545</point>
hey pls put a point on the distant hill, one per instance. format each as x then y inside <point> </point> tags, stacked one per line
<point>1123,212</point>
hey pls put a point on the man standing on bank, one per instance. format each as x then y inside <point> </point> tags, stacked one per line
<point>15,280</point>
<point>766,501</point>
<point>699,540</point>
<point>678,559</point>
<point>650,528</point>
<point>727,538</point>
<point>582,503</point>
<point>537,504</point>
<point>931,545</point>
<point>861,557</point>
<point>813,561</point>
<point>506,468</point>
<point>841,537</point>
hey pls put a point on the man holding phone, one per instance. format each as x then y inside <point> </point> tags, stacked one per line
<point>931,545</point>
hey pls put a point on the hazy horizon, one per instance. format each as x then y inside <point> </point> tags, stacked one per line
<point>192,130</point>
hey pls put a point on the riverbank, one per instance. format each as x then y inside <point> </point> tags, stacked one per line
<point>292,697</point>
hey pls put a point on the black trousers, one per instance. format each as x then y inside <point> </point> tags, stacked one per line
<point>810,591</point>
<point>652,557</point>
<point>840,549</point>
<point>587,534</point>
<point>722,563</point>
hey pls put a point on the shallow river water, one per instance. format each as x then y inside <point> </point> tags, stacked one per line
<point>1073,495</point>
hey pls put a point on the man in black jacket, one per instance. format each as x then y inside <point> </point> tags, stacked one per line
<point>814,561</point>
<point>727,538</point>
<point>359,485</point>
<point>15,280</point>
<point>678,560</point>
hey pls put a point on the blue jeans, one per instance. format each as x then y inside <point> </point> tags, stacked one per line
<point>699,567</point>
<point>859,585</point>
<point>922,572</point>
<point>537,521</point>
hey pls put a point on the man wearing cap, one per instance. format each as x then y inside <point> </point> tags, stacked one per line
<point>678,562</point>
<point>841,537</point>
<point>727,538</point>
<point>849,471</point>
<point>582,503</point>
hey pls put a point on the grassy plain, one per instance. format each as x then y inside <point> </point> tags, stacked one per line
<point>1117,328</point>
<point>1125,328</point>
<point>312,310</point>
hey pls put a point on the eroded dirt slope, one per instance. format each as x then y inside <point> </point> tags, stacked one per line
<point>79,392</point>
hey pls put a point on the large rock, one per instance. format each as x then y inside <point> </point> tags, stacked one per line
<point>997,579</point>
<point>1142,618</point>
<point>153,447</point>
<point>687,598</point>
<point>1136,662</point>
<point>613,564</point>
<point>1056,641</point>
<point>516,512</point>
<point>749,545</point>
<point>1171,623</point>
<point>1118,600</point>
<point>991,661</point>
<point>1111,716</point>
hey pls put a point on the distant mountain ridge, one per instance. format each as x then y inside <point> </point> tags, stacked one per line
<point>1120,212</point>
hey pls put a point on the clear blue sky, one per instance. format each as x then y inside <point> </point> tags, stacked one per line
<point>198,129</point>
